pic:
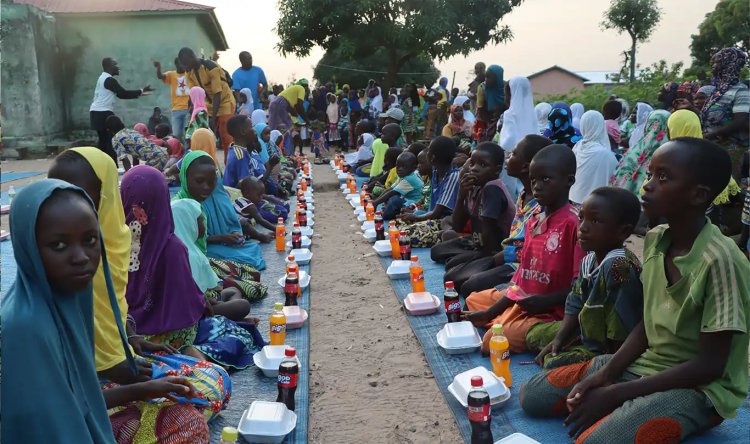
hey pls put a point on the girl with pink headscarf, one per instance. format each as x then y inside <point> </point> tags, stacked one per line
<point>199,117</point>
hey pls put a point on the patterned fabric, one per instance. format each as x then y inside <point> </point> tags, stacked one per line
<point>633,168</point>
<point>541,334</point>
<point>145,423</point>
<point>424,203</point>
<point>409,124</point>
<point>228,343</point>
<point>129,142</point>
<point>200,121</point>
<point>561,128</point>
<point>513,245</point>
<point>444,192</point>
<point>730,62</point>
<point>241,276</point>
<point>735,100</point>
<point>179,339</point>
<point>425,234</point>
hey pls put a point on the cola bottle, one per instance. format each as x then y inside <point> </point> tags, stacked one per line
<point>302,202</point>
<point>379,227</point>
<point>291,288</point>
<point>296,237</point>
<point>287,379</point>
<point>480,417</point>
<point>404,245</point>
<point>302,216</point>
<point>452,304</point>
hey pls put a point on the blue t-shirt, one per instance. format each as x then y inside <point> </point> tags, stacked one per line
<point>444,192</point>
<point>238,166</point>
<point>410,187</point>
<point>250,79</point>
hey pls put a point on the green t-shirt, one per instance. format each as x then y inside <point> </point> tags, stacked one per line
<point>713,295</point>
<point>378,150</point>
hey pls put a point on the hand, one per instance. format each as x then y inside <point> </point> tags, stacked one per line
<point>409,209</point>
<point>467,182</point>
<point>214,124</point>
<point>534,304</point>
<point>596,380</point>
<point>480,317</point>
<point>142,346</point>
<point>167,388</point>
<point>157,65</point>
<point>265,238</point>
<point>274,160</point>
<point>598,403</point>
<point>233,239</point>
<point>208,310</point>
<point>552,348</point>
<point>409,217</point>
<point>147,89</point>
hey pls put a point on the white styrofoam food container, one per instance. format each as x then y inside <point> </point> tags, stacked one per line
<point>306,242</point>
<point>368,225</point>
<point>269,358</point>
<point>370,235</point>
<point>517,438</point>
<point>267,422</point>
<point>301,255</point>
<point>459,337</point>
<point>295,316</point>
<point>398,269</point>
<point>304,279</point>
<point>359,209</point>
<point>421,303</point>
<point>495,386</point>
<point>382,247</point>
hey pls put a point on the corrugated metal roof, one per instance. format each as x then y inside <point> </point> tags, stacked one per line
<point>102,6</point>
<point>559,68</point>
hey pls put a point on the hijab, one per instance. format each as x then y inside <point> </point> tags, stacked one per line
<point>577,110</point>
<point>456,125</point>
<point>495,96</point>
<point>247,108</point>
<point>595,162</point>
<point>116,236</point>
<point>642,111</point>
<point>143,129</point>
<point>730,61</point>
<point>204,140</point>
<point>273,143</point>
<point>561,128</point>
<point>519,120</point>
<point>264,154</point>
<point>160,296</point>
<point>353,101</point>
<point>50,386</point>
<point>684,123</point>
<point>185,213</point>
<point>625,114</point>
<point>258,116</point>
<point>198,99</point>
<point>542,111</point>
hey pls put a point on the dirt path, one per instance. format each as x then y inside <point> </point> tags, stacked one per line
<point>369,381</point>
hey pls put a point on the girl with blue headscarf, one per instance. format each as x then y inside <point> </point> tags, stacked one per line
<point>490,103</point>
<point>561,129</point>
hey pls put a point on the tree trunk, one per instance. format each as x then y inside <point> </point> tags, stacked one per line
<point>392,70</point>
<point>632,60</point>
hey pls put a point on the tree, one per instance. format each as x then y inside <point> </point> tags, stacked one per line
<point>405,29</point>
<point>638,18</point>
<point>356,72</point>
<point>727,25</point>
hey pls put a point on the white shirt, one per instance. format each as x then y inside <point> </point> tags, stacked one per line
<point>104,99</point>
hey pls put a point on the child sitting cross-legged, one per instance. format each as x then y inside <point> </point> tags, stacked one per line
<point>550,261</point>
<point>254,204</point>
<point>683,369</point>
<point>406,190</point>
<point>379,184</point>
<point>606,301</point>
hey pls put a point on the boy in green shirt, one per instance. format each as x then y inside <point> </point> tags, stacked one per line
<point>684,368</point>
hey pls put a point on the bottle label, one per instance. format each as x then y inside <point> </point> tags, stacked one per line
<point>291,288</point>
<point>417,277</point>
<point>405,249</point>
<point>452,306</point>
<point>288,380</point>
<point>506,355</point>
<point>479,413</point>
<point>278,328</point>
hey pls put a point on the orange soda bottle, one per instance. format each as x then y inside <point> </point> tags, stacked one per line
<point>303,184</point>
<point>362,195</point>
<point>370,212</point>
<point>352,185</point>
<point>278,324</point>
<point>280,234</point>
<point>500,354</point>
<point>393,235</point>
<point>306,167</point>
<point>416,275</point>
<point>290,263</point>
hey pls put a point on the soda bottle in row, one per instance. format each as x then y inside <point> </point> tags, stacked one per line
<point>379,226</point>
<point>288,378</point>
<point>280,235</point>
<point>292,266</point>
<point>296,237</point>
<point>369,211</point>
<point>291,288</point>
<point>500,354</point>
<point>480,416</point>
<point>404,244</point>
<point>301,216</point>
<point>393,236</point>
<point>452,304</point>
<point>416,275</point>
<point>278,324</point>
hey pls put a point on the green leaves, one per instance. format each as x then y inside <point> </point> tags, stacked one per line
<point>728,25</point>
<point>638,18</point>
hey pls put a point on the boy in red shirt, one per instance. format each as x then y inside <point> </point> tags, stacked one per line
<point>550,259</point>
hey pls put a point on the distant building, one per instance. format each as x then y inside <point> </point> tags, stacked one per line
<point>52,53</point>
<point>555,80</point>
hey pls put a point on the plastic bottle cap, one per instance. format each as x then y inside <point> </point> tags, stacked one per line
<point>278,306</point>
<point>290,258</point>
<point>291,352</point>
<point>402,233</point>
<point>414,259</point>
<point>392,223</point>
<point>497,329</point>
<point>449,284</point>
<point>476,381</point>
<point>229,434</point>
<point>281,220</point>
<point>296,225</point>
<point>378,213</point>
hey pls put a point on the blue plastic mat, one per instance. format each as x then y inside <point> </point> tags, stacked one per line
<point>510,418</point>
<point>11,176</point>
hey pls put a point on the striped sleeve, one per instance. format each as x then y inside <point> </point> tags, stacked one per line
<point>725,305</point>
<point>450,191</point>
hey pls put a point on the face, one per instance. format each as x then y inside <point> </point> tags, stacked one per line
<point>700,100</point>
<point>715,65</point>
<point>548,184</point>
<point>243,98</point>
<point>405,166</point>
<point>201,180</point>
<point>253,191</point>
<point>189,61</point>
<point>598,229</point>
<point>162,131</point>
<point>479,69</point>
<point>266,134</point>
<point>157,113</point>
<point>516,163</point>
<point>633,118</point>
<point>201,227</point>
<point>246,60</point>
<point>115,68</point>
<point>67,234</point>
<point>423,163</point>
<point>73,174</point>
<point>491,79</point>
<point>482,167</point>
<point>388,137</point>
<point>458,113</point>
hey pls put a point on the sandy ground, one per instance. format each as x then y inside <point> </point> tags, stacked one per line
<point>369,380</point>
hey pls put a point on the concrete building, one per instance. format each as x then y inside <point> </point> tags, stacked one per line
<point>52,52</point>
<point>555,80</point>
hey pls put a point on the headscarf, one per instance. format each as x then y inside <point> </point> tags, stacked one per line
<point>204,140</point>
<point>185,213</point>
<point>458,126</point>
<point>116,235</point>
<point>669,92</point>
<point>625,114</point>
<point>303,82</point>
<point>642,111</point>
<point>160,295</point>
<point>595,162</point>
<point>731,61</point>
<point>353,101</point>
<point>247,108</point>
<point>174,146</point>
<point>258,116</point>
<point>577,109</point>
<point>273,143</point>
<point>519,120</point>
<point>495,96</point>
<point>633,167</point>
<point>460,100</point>
<point>684,123</point>
<point>707,90</point>
<point>542,110</point>
<point>50,386</point>
<point>264,154</point>
<point>198,99</point>
<point>142,128</point>
<point>561,128</point>
<point>367,140</point>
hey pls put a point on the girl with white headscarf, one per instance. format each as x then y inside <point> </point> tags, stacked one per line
<point>577,109</point>
<point>258,116</point>
<point>518,121</point>
<point>642,110</point>
<point>542,111</point>
<point>595,162</point>
<point>246,107</point>
<point>468,115</point>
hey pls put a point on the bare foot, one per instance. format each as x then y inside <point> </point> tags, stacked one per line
<point>252,320</point>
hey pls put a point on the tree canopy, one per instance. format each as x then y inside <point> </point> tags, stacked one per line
<point>727,25</point>
<point>404,29</point>
<point>357,71</point>
<point>637,18</point>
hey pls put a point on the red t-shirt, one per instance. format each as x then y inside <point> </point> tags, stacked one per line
<point>551,256</point>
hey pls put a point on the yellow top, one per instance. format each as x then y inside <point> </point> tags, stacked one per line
<point>178,89</point>
<point>293,94</point>
<point>212,81</point>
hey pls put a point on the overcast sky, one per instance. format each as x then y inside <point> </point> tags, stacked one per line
<point>546,33</point>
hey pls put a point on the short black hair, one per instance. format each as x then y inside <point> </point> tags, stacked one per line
<point>560,155</point>
<point>162,127</point>
<point>177,61</point>
<point>247,182</point>
<point>443,148</point>
<point>185,52</point>
<point>234,124</point>
<point>394,127</point>
<point>113,123</point>
<point>107,62</point>
<point>708,163</point>
<point>391,154</point>
<point>409,157</point>
<point>416,148</point>
<point>612,109</point>
<point>495,152</point>
<point>622,203</point>
<point>368,125</point>
<point>532,144</point>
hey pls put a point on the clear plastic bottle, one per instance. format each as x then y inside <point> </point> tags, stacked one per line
<point>11,194</point>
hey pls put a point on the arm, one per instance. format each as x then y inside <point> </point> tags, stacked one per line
<point>383,197</point>
<point>159,74</point>
<point>146,391</point>
<point>122,93</point>
<point>438,212</point>
<point>461,211</point>
<point>739,124</point>
<point>490,235</point>
<point>567,329</point>
<point>255,214</point>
